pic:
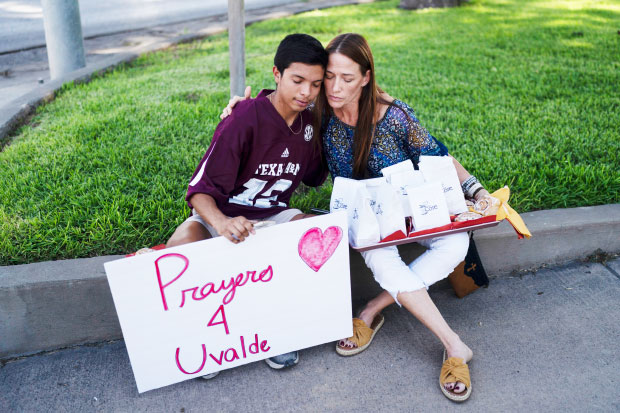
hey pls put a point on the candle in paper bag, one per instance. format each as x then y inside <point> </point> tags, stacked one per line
<point>387,207</point>
<point>352,196</point>
<point>441,169</point>
<point>428,206</point>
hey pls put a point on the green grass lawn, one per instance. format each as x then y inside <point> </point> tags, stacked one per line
<point>523,93</point>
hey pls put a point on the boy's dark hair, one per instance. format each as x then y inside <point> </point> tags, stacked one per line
<point>299,48</point>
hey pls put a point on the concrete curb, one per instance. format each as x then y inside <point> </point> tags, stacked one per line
<point>559,236</point>
<point>16,112</point>
<point>55,304</point>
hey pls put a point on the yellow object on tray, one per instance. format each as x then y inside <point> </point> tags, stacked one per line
<point>505,211</point>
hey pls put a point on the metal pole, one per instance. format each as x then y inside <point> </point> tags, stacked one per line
<point>236,46</point>
<point>63,36</point>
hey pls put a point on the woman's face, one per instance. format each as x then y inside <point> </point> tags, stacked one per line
<point>344,81</point>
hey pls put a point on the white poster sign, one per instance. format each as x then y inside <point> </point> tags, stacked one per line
<point>212,305</point>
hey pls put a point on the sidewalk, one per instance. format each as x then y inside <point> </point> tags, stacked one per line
<point>544,341</point>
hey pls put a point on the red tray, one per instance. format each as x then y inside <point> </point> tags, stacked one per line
<point>399,238</point>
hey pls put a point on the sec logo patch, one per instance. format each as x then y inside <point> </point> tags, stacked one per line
<point>308,133</point>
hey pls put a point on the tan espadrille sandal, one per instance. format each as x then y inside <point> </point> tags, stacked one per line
<point>362,336</point>
<point>454,369</point>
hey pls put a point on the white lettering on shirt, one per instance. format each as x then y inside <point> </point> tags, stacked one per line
<point>277,169</point>
<point>292,168</point>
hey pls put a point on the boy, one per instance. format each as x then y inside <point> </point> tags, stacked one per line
<point>258,157</point>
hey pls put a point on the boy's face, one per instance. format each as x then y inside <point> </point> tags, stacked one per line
<point>299,84</point>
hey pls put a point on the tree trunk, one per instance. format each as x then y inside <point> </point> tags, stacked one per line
<point>423,4</point>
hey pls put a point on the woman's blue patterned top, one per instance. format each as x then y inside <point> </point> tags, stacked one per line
<point>397,137</point>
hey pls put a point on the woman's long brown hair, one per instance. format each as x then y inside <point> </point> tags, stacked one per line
<point>355,47</point>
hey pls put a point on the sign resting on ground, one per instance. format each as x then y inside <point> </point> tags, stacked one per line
<point>212,305</point>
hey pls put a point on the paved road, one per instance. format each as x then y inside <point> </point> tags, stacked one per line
<point>22,72</point>
<point>544,341</point>
<point>21,21</point>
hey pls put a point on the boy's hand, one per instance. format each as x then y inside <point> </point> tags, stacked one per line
<point>234,100</point>
<point>235,229</point>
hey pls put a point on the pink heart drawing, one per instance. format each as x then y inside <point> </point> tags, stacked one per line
<point>316,247</point>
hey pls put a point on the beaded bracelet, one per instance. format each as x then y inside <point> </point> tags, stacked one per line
<point>468,183</point>
<point>471,186</point>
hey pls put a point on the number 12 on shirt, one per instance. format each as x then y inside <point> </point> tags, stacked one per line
<point>254,187</point>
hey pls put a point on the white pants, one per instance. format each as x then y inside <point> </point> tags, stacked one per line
<point>442,256</point>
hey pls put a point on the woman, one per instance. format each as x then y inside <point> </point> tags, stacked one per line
<point>365,130</point>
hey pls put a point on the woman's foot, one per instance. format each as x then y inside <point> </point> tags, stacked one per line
<point>457,348</point>
<point>367,316</point>
<point>363,335</point>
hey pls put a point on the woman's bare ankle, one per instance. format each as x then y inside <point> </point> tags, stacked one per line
<point>367,315</point>
<point>456,348</point>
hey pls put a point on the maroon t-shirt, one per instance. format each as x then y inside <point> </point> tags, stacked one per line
<point>255,162</point>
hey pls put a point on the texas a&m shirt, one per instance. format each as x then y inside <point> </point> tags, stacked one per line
<point>255,162</point>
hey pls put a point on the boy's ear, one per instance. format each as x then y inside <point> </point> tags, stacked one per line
<point>276,75</point>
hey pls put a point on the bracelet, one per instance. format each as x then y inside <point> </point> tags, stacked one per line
<point>469,183</point>
<point>473,190</point>
<point>473,195</point>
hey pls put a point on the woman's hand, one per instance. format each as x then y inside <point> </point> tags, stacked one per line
<point>481,194</point>
<point>486,204</point>
<point>234,100</point>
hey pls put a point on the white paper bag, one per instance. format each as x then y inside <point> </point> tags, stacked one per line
<point>405,165</point>
<point>441,169</point>
<point>351,195</point>
<point>428,206</point>
<point>386,204</point>
<point>401,176</point>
